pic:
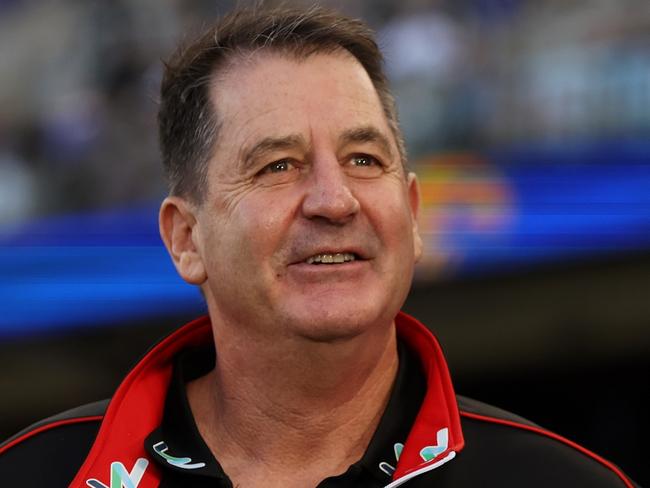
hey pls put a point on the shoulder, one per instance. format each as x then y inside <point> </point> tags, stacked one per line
<point>49,452</point>
<point>514,448</point>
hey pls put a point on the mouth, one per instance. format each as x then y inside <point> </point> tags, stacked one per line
<point>332,258</point>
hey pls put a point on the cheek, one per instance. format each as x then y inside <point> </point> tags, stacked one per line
<point>259,226</point>
<point>390,214</point>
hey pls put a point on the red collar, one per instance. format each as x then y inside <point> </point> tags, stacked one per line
<point>436,436</point>
<point>137,407</point>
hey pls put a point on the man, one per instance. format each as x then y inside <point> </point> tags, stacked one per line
<point>292,209</point>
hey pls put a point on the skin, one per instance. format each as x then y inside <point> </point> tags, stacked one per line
<point>306,164</point>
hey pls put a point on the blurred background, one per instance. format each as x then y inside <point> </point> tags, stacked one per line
<point>527,121</point>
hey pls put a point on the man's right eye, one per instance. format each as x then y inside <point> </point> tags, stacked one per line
<point>279,172</point>
<point>277,167</point>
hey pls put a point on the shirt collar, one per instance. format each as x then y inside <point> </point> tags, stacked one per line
<point>138,404</point>
<point>403,406</point>
<point>177,444</point>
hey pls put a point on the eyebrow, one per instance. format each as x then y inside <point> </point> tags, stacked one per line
<point>269,144</point>
<point>367,134</point>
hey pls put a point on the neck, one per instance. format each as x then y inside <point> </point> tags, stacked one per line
<point>265,408</point>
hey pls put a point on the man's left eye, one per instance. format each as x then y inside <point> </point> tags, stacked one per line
<point>364,160</point>
<point>364,166</point>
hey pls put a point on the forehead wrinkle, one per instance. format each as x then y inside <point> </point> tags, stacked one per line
<point>367,133</point>
<point>248,154</point>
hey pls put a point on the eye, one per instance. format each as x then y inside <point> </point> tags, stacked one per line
<point>279,172</point>
<point>277,167</point>
<point>364,160</point>
<point>364,166</point>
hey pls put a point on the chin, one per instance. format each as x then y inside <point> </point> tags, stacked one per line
<point>329,335</point>
<point>338,326</point>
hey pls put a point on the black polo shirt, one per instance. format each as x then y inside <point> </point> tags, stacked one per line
<point>187,461</point>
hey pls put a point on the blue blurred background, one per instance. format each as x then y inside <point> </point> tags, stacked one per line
<point>528,123</point>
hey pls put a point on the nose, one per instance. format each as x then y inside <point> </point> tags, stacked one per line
<point>328,195</point>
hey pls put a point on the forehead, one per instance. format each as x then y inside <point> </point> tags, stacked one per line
<point>270,94</point>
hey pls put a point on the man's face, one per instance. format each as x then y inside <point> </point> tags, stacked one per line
<point>308,228</point>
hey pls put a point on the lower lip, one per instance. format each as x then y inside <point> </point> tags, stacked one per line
<point>327,272</point>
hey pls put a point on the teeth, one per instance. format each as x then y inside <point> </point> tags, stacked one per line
<point>337,258</point>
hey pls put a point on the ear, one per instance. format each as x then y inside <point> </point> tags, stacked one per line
<point>414,202</point>
<point>180,233</point>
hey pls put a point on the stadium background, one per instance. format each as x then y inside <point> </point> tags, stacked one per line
<point>528,122</point>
